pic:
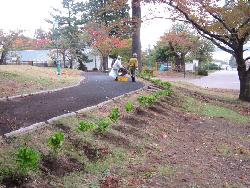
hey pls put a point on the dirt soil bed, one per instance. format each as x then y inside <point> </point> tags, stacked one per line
<point>164,145</point>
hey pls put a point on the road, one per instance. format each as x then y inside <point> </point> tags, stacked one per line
<point>97,87</point>
<point>219,79</point>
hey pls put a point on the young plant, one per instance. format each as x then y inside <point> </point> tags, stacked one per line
<point>27,160</point>
<point>114,115</point>
<point>142,100</point>
<point>129,107</point>
<point>85,126</point>
<point>151,100</point>
<point>103,125</point>
<point>147,100</point>
<point>55,142</point>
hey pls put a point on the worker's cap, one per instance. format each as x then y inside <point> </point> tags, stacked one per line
<point>119,57</point>
<point>135,54</point>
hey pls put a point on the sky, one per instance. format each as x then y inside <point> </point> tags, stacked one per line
<point>29,15</point>
<point>26,14</point>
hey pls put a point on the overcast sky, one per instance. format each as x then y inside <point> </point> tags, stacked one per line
<point>31,14</point>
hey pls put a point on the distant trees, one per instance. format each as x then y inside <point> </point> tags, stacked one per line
<point>7,41</point>
<point>66,33</point>
<point>181,44</point>
<point>227,26</point>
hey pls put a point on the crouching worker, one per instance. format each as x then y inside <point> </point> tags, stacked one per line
<point>133,64</point>
<point>115,68</point>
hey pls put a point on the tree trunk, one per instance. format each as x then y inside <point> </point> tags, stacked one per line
<point>3,58</point>
<point>182,61</point>
<point>71,63</point>
<point>177,63</point>
<point>136,40</point>
<point>105,62</point>
<point>244,76</point>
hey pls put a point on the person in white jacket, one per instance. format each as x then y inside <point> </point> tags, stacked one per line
<point>115,68</point>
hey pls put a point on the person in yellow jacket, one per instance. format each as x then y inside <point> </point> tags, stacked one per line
<point>133,64</point>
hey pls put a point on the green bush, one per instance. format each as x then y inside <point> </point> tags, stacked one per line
<point>115,114</point>
<point>103,125</point>
<point>129,107</point>
<point>202,72</point>
<point>85,126</point>
<point>212,66</point>
<point>55,142</point>
<point>27,160</point>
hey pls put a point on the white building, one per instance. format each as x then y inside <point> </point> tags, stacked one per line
<point>45,58</point>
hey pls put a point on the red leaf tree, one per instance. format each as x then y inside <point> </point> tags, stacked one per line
<point>100,39</point>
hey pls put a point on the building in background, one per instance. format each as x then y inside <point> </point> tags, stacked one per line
<point>46,58</point>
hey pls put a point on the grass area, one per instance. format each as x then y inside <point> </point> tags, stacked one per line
<point>210,110</point>
<point>228,95</point>
<point>22,79</point>
<point>153,145</point>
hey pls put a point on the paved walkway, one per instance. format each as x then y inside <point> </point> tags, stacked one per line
<point>97,87</point>
<point>218,79</point>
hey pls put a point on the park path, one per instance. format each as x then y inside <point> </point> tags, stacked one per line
<point>24,111</point>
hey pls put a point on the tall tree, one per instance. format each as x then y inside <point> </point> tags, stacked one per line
<point>226,26</point>
<point>136,38</point>
<point>67,33</point>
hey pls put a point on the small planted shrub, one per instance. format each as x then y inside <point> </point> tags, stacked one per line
<point>55,142</point>
<point>27,160</point>
<point>129,107</point>
<point>142,100</point>
<point>163,93</point>
<point>103,125</point>
<point>165,85</point>
<point>151,100</point>
<point>147,100</point>
<point>114,115</point>
<point>85,126</point>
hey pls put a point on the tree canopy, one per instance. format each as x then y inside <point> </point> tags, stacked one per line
<point>226,25</point>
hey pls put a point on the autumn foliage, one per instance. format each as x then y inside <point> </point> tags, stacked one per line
<point>227,25</point>
<point>26,43</point>
<point>100,39</point>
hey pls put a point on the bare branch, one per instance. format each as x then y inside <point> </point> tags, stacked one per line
<point>216,43</point>
<point>161,17</point>
<point>247,59</point>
